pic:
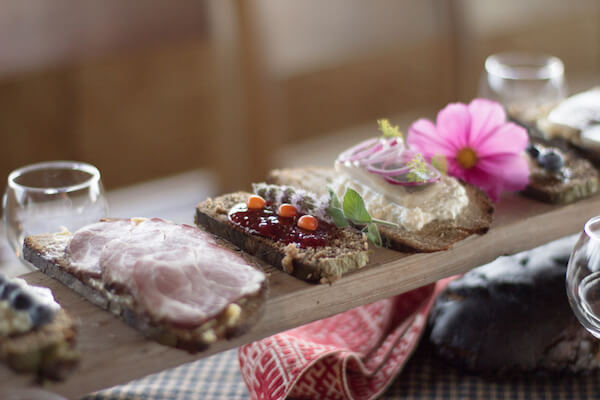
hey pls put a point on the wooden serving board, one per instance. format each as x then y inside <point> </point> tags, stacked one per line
<point>113,353</point>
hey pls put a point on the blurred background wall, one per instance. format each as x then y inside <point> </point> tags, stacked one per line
<point>147,89</point>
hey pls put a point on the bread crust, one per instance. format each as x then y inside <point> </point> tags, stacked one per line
<point>435,236</point>
<point>46,252</point>
<point>349,251</point>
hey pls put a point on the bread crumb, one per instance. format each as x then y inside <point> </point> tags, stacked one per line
<point>287,263</point>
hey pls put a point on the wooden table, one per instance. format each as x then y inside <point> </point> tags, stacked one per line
<point>113,353</point>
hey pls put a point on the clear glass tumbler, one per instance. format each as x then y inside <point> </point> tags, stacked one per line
<point>583,277</point>
<point>50,196</point>
<point>527,84</point>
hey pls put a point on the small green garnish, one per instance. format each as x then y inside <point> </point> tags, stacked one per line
<point>440,163</point>
<point>335,211</point>
<point>373,235</point>
<point>418,169</point>
<point>353,209</point>
<point>387,129</point>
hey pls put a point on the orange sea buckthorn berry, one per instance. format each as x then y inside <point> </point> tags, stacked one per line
<point>308,222</point>
<point>256,202</point>
<point>287,210</point>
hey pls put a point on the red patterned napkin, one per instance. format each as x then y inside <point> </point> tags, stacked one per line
<point>351,356</point>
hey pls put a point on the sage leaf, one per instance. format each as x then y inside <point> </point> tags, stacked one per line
<point>354,208</point>
<point>335,211</point>
<point>373,234</point>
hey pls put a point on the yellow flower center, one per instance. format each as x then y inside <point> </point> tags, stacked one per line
<point>466,157</point>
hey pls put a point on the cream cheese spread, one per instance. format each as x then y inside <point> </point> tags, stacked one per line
<point>411,207</point>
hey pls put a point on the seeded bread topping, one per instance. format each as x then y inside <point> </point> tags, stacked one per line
<point>411,207</point>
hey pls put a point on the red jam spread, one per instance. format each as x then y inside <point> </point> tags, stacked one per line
<point>265,222</point>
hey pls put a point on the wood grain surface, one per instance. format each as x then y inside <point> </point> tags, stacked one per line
<point>113,353</point>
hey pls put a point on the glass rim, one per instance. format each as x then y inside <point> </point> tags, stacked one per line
<point>62,164</point>
<point>588,230</point>
<point>530,66</point>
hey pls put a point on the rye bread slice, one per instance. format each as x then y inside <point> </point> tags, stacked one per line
<point>576,180</point>
<point>345,252</point>
<point>47,253</point>
<point>435,236</point>
<point>47,351</point>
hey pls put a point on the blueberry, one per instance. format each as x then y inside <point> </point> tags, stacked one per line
<point>551,161</point>
<point>532,150</point>
<point>21,301</point>
<point>41,314</point>
<point>7,290</point>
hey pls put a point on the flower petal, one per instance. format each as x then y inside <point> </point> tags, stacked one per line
<point>512,170</point>
<point>423,137</point>
<point>486,116</point>
<point>484,181</point>
<point>454,123</point>
<point>507,138</point>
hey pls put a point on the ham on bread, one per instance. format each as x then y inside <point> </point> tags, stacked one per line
<point>175,283</point>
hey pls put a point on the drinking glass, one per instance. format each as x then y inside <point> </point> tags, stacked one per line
<point>51,196</point>
<point>583,277</point>
<point>527,84</point>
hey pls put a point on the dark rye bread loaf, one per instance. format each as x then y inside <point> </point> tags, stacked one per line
<point>47,351</point>
<point>47,253</point>
<point>435,236</point>
<point>512,316</point>
<point>346,251</point>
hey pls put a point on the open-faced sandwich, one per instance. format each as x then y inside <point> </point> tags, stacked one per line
<point>174,283</point>
<point>287,227</point>
<point>36,334</point>
<point>559,176</point>
<point>576,119</point>
<point>426,210</point>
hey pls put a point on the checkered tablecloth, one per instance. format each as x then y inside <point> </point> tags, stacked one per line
<point>425,378</point>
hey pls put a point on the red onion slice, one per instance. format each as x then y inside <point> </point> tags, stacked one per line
<point>389,158</point>
<point>390,169</point>
<point>361,150</point>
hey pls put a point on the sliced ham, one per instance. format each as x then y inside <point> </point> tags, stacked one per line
<point>87,243</point>
<point>187,287</point>
<point>176,273</point>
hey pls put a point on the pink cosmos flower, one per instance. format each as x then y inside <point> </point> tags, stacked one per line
<point>480,146</point>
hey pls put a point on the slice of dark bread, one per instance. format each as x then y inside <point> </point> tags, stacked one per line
<point>435,236</point>
<point>48,351</point>
<point>36,335</point>
<point>47,252</point>
<point>347,251</point>
<point>577,179</point>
